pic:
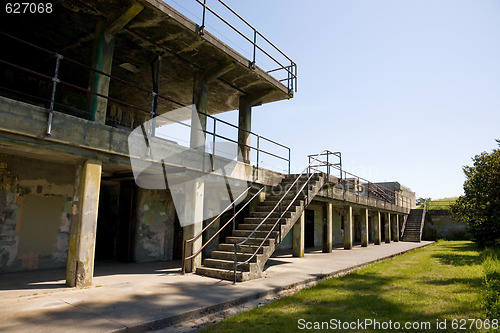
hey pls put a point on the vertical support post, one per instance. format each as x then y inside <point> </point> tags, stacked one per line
<point>81,250</point>
<point>102,60</point>
<point>364,227</point>
<point>396,228</point>
<point>55,81</point>
<point>244,128</point>
<point>328,228</point>
<point>348,228</point>
<point>298,236</point>
<point>193,213</point>
<point>388,228</point>
<point>376,228</point>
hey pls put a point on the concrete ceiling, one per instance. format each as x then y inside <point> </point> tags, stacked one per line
<point>156,30</point>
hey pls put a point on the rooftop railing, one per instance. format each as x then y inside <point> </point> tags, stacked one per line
<point>261,50</point>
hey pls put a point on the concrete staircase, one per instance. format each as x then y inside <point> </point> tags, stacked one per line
<point>221,263</point>
<point>414,225</point>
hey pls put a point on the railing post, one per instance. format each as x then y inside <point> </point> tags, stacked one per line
<point>327,163</point>
<point>254,46</point>
<point>289,159</point>
<point>279,224</point>
<point>235,264</point>
<point>55,80</point>
<point>202,28</point>
<point>258,149</point>
<point>184,258</point>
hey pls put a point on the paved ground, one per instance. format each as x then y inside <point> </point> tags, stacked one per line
<point>142,297</point>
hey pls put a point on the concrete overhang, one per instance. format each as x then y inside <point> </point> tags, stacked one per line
<point>157,29</point>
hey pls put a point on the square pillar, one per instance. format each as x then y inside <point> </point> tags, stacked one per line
<point>348,228</point>
<point>102,60</point>
<point>193,215</point>
<point>81,249</point>
<point>244,127</point>
<point>364,227</point>
<point>396,228</point>
<point>327,228</point>
<point>376,228</point>
<point>298,236</point>
<point>388,228</point>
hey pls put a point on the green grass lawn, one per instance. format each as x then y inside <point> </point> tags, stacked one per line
<point>440,203</point>
<point>441,282</point>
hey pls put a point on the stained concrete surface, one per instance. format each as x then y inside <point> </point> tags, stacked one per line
<point>154,295</point>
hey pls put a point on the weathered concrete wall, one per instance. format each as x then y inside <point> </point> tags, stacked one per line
<point>439,224</point>
<point>155,214</point>
<point>36,200</point>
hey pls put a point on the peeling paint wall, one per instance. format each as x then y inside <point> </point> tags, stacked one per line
<point>439,225</point>
<point>35,213</point>
<point>155,217</point>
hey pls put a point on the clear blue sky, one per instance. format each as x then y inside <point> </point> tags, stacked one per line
<point>408,91</point>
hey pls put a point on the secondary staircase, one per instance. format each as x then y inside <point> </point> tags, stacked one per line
<point>260,233</point>
<point>414,225</point>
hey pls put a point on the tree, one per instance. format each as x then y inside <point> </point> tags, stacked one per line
<point>480,206</point>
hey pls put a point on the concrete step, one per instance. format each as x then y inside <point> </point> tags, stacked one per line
<point>228,255</point>
<point>257,234</point>
<point>228,264</point>
<point>250,241</point>
<point>267,207</point>
<point>243,249</point>
<point>274,214</point>
<point>257,220</point>
<point>223,274</point>
<point>252,226</point>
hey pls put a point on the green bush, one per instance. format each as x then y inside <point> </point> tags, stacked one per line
<point>491,268</point>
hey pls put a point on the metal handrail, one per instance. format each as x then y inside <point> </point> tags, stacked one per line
<point>232,204</point>
<point>404,226</point>
<point>278,204</point>
<point>422,221</point>
<point>290,69</point>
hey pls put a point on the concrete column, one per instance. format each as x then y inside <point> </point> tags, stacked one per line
<point>337,228</point>
<point>364,227</point>
<point>396,228</point>
<point>376,228</point>
<point>327,228</point>
<point>388,228</point>
<point>298,237</point>
<point>102,60</point>
<point>348,228</point>
<point>195,190</point>
<point>81,250</point>
<point>193,211</point>
<point>244,125</point>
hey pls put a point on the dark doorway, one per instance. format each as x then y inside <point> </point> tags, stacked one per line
<point>178,239</point>
<point>115,222</point>
<point>309,228</point>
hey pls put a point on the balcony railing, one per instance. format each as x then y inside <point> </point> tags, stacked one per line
<point>57,85</point>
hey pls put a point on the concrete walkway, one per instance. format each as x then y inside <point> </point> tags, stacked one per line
<point>151,296</point>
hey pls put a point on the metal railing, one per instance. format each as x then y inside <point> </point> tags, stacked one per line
<point>367,188</point>
<point>422,222</point>
<point>290,71</point>
<point>156,99</point>
<point>232,219</point>
<point>281,213</point>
